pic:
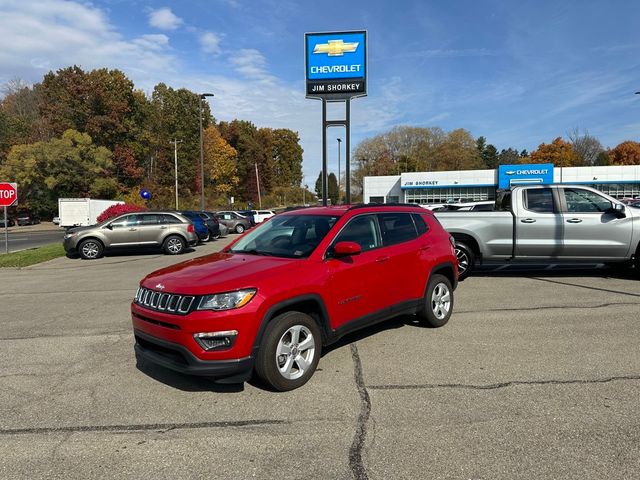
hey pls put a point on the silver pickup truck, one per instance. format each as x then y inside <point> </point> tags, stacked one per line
<point>547,224</point>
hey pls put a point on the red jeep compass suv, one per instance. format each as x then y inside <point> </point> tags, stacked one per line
<point>273,298</point>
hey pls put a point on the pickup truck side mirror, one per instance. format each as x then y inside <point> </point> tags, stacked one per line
<point>617,210</point>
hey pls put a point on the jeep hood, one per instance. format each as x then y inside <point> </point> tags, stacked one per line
<point>220,272</point>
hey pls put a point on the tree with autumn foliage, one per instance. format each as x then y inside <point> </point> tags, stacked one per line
<point>219,162</point>
<point>558,152</point>
<point>626,153</point>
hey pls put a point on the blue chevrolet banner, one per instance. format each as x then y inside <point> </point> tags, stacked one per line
<point>336,64</point>
<point>509,175</point>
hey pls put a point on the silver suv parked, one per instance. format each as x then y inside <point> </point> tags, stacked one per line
<point>169,230</point>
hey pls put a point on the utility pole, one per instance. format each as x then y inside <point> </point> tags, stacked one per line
<point>258,184</point>
<point>175,156</point>
<point>339,142</point>
<point>202,97</point>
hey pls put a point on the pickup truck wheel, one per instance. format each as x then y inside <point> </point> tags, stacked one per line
<point>290,351</point>
<point>173,245</point>
<point>90,249</point>
<point>466,260</point>
<point>438,302</point>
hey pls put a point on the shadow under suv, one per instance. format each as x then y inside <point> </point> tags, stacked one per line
<point>170,231</point>
<point>271,300</point>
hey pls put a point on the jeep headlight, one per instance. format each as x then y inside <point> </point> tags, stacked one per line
<point>227,301</point>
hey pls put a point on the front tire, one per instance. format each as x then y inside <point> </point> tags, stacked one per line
<point>289,352</point>
<point>90,249</point>
<point>466,260</point>
<point>174,245</point>
<point>239,228</point>
<point>438,302</point>
<point>206,238</point>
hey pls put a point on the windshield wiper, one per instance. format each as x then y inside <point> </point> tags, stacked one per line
<point>253,251</point>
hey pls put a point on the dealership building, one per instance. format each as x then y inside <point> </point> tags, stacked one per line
<point>475,185</point>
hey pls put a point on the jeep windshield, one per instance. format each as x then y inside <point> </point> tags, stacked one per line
<point>289,236</point>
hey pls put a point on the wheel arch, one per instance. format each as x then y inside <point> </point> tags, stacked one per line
<point>446,269</point>
<point>311,304</point>
<point>470,241</point>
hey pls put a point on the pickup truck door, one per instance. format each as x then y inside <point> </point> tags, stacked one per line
<point>539,229</point>
<point>591,229</point>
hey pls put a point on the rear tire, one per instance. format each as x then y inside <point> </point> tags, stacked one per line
<point>289,352</point>
<point>206,238</point>
<point>466,260</point>
<point>239,228</point>
<point>174,245</point>
<point>90,249</point>
<point>438,302</point>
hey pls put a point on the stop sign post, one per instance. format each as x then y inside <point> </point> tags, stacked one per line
<point>8,198</point>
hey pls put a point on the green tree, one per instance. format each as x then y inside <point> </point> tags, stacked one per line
<point>287,158</point>
<point>332,187</point>
<point>70,166</point>
<point>318,186</point>
<point>488,153</point>
<point>509,156</point>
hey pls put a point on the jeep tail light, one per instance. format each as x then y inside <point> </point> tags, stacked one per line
<point>190,228</point>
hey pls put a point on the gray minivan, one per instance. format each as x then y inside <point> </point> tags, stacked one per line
<point>171,231</point>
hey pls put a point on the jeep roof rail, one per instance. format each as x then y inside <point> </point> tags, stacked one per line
<point>390,204</point>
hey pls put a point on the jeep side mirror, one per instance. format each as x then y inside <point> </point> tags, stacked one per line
<point>346,249</point>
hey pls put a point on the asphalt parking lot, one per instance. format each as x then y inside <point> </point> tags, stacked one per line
<point>536,376</point>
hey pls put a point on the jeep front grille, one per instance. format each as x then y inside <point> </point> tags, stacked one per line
<point>164,302</point>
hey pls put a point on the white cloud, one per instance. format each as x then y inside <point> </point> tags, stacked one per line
<point>164,19</point>
<point>42,35</point>
<point>210,43</point>
<point>251,63</point>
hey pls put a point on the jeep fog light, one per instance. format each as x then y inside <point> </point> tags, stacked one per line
<point>226,301</point>
<point>216,340</point>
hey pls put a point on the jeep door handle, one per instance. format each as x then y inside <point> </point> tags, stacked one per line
<point>382,259</point>
<point>528,220</point>
<point>574,220</point>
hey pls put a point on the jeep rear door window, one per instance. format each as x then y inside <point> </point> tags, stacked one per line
<point>421,225</point>
<point>363,230</point>
<point>539,200</point>
<point>585,201</point>
<point>397,227</point>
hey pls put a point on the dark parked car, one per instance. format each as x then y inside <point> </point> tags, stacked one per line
<point>201,228</point>
<point>8,223</point>
<point>25,217</point>
<point>234,221</point>
<point>212,223</point>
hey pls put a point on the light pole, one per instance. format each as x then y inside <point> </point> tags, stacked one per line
<point>175,153</point>
<point>202,97</point>
<point>339,142</point>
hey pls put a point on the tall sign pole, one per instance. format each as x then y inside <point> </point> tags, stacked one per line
<point>8,198</point>
<point>336,71</point>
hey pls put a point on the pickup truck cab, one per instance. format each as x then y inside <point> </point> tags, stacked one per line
<point>547,223</point>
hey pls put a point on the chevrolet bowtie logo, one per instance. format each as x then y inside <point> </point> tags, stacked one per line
<point>335,48</point>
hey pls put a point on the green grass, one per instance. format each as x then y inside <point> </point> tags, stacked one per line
<point>32,256</point>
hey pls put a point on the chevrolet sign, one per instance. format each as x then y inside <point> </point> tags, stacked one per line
<point>520,174</point>
<point>336,64</point>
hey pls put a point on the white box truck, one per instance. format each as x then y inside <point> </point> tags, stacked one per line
<point>82,212</point>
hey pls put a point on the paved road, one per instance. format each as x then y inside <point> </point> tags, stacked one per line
<point>537,375</point>
<point>31,236</point>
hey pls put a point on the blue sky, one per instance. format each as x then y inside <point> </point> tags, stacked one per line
<point>518,73</point>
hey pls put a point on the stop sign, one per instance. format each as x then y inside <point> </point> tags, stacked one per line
<point>8,194</point>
